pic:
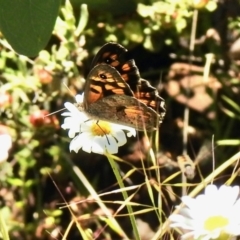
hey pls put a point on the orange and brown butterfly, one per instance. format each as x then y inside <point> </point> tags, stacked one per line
<point>114,92</point>
<point>117,56</point>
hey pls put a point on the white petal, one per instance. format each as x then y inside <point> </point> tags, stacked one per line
<point>189,202</point>
<point>237,206</point>
<point>120,137</point>
<point>231,192</point>
<point>71,107</point>
<point>79,141</point>
<point>203,237</point>
<point>76,144</point>
<point>98,146</point>
<point>179,221</point>
<point>234,229</point>
<point>86,126</point>
<point>79,98</point>
<point>66,114</point>
<point>74,112</point>
<point>87,144</point>
<point>211,190</point>
<point>111,146</point>
<point>131,131</point>
<point>215,234</point>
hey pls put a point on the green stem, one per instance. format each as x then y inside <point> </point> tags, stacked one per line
<point>125,196</point>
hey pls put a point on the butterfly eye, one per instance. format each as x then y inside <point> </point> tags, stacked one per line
<point>103,76</point>
<point>108,60</point>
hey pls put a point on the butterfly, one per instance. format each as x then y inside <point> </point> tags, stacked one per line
<point>115,92</point>
<point>117,56</point>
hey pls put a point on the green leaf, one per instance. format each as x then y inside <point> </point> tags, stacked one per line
<point>83,19</point>
<point>229,142</point>
<point>27,25</point>
<point>232,103</point>
<point>16,182</point>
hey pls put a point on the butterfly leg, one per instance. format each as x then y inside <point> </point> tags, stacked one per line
<point>81,125</point>
<point>103,131</point>
<point>99,127</point>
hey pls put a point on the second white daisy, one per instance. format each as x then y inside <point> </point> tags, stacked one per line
<point>213,215</point>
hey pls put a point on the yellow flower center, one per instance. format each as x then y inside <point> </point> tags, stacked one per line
<point>101,128</point>
<point>215,222</point>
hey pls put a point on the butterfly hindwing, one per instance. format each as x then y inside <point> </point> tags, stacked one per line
<point>126,110</point>
<point>149,95</point>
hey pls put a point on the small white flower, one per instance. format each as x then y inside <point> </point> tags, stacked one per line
<point>5,145</point>
<point>93,135</point>
<point>213,215</point>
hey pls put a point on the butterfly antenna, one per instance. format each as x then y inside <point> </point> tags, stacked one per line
<point>54,112</point>
<point>66,86</point>
<point>103,132</point>
<point>62,108</point>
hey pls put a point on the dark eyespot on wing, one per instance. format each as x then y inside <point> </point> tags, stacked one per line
<point>103,76</point>
<point>120,108</point>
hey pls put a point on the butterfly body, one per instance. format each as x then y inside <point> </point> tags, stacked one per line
<point>115,92</point>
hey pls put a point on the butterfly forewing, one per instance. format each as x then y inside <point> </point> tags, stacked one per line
<point>102,81</point>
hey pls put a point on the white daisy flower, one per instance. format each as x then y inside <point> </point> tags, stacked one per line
<point>213,215</point>
<point>93,135</point>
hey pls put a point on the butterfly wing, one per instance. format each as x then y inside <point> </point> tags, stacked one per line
<point>149,95</point>
<point>126,110</point>
<point>102,81</point>
<point>116,55</point>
